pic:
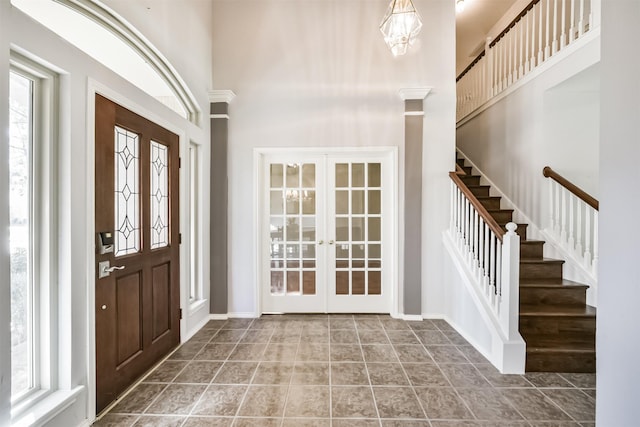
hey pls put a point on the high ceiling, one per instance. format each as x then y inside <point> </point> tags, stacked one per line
<point>473,26</point>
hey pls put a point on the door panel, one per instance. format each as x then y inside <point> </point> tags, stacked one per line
<point>129,319</point>
<point>328,235</point>
<point>137,201</point>
<point>161,300</point>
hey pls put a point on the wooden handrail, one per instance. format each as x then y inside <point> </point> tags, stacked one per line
<point>514,22</point>
<point>470,66</point>
<point>585,197</point>
<point>460,171</point>
<point>482,211</point>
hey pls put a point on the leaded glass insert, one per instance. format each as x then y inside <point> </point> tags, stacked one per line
<point>159,195</point>
<point>292,211</point>
<point>127,192</point>
<point>358,229</point>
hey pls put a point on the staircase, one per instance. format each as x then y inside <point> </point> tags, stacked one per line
<point>555,321</point>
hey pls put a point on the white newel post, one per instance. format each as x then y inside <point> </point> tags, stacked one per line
<point>510,298</point>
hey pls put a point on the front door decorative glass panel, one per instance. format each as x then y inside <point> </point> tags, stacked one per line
<point>292,225</point>
<point>358,225</point>
<point>127,192</point>
<point>159,195</point>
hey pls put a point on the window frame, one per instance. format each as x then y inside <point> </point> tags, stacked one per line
<point>195,293</point>
<point>43,219</point>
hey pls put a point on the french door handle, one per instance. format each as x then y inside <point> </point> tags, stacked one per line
<point>321,242</point>
<point>331,242</point>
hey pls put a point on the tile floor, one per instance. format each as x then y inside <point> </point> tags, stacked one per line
<point>344,370</point>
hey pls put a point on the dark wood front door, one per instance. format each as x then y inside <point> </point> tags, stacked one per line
<point>138,303</point>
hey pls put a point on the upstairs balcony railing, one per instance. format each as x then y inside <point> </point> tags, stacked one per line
<point>543,29</point>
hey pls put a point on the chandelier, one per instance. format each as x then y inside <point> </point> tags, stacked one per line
<point>400,26</point>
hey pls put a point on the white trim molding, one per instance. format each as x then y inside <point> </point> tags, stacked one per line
<point>106,17</point>
<point>222,95</point>
<point>414,93</point>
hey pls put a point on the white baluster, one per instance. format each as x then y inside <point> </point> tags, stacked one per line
<point>481,249</point>
<point>527,37</point>
<point>581,21</point>
<point>587,240</point>
<point>563,216</point>
<point>557,209</point>
<point>521,60</point>
<point>581,208</point>
<point>498,289</point>
<point>563,36</point>
<point>474,241</point>
<point>540,32</point>
<point>594,264</point>
<point>572,201</point>
<point>554,48</point>
<point>572,29</point>
<point>532,36</point>
<point>547,47</point>
<point>487,257</point>
<point>552,221</point>
<point>492,265</point>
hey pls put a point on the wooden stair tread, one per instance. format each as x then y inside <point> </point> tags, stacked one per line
<point>532,242</point>
<point>533,283</point>
<point>559,350</point>
<point>543,260</point>
<point>557,310</point>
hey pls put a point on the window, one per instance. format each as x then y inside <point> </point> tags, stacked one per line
<point>195,284</point>
<point>23,332</point>
<point>32,218</point>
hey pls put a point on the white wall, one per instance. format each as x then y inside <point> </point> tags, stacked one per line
<point>76,193</point>
<point>553,120</point>
<point>317,73</point>
<point>5,291</point>
<point>181,30</point>
<point>617,343</point>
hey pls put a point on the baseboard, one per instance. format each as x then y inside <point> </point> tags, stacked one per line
<point>195,329</point>
<point>218,316</point>
<point>243,315</point>
<point>412,317</point>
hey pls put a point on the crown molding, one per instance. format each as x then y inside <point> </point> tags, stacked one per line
<point>414,93</point>
<point>221,96</point>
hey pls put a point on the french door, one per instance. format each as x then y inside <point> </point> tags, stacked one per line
<point>327,239</point>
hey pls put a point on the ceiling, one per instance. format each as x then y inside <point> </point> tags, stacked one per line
<point>473,26</point>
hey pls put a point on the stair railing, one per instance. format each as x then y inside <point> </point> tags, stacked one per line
<point>491,255</point>
<point>540,31</point>
<point>573,220</point>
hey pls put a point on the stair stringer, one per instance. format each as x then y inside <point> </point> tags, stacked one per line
<point>572,268</point>
<point>508,356</point>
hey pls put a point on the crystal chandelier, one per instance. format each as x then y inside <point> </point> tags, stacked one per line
<point>400,26</point>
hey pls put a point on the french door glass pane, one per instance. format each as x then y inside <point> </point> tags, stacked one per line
<point>292,216</point>
<point>127,192</point>
<point>20,237</point>
<point>159,195</point>
<point>358,228</point>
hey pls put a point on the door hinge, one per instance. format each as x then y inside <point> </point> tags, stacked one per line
<point>179,238</point>
<point>179,162</point>
<point>180,313</point>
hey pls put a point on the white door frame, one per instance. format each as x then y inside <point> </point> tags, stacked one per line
<point>259,154</point>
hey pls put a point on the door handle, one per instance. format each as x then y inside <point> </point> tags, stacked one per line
<point>321,242</point>
<point>331,242</point>
<point>104,270</point>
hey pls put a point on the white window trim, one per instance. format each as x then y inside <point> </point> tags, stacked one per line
<point>197,300</point>
<point>44,235</point>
